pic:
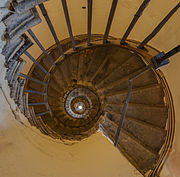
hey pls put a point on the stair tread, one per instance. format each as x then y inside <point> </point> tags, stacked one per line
<point>145,79</point>
<point>149,135</point>
<point>65,72</point>
<point>152,94</point>
<point>84,60</point>
<point>130,67</point>
<point>37,73</point>
<point>114,63</point>
<point>55,86</point>
<point>143,157</point>
<point>58,76</point>
<point>73,63</point>
<point>46,63</point>
<point>153,114</point>
<point>99,55</point>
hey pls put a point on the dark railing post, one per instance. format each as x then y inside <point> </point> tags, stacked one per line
<point>35,62</point>
<point>110,19</point>
<point>35,92</point>
<point>40,46</point>
<point>33,79</point>
<point>162,60</point>
<point>46,16</point>
<point>66,13</point>
<point>135,19</point>
<point>37,104</point>
<point>158,28</point>
<point>42,113</point>
<point>89,21</point>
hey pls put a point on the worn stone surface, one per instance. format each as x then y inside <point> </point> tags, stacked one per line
<point>12,47</point>
<point>3,12</point>
<point>155,115</point>
<point>24,5</point>
<point>138,94</point>
<point>4,3</point>
<point>149,135</point>
<point>17,24</point>
<point>2,31</point>
<point>141,157</point>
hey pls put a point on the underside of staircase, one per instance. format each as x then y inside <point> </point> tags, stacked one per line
<point>80,86</point>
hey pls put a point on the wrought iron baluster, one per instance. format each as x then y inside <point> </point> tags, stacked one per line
<point>66,13</point>
<point>135,19</point>
<point>33,79</point>
<point>35,62</point>
<point>42,113</point>
<point>46,16</point>
<point>89,21</point>
<point>158,28</point>
<point>169,54</point>
<point>110,19</point>
<point>35,92</point>
<point>37,104</point>
<point>40,46</point>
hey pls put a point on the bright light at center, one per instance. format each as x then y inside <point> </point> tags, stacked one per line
<point>80,107</point>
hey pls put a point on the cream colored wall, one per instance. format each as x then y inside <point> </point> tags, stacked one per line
<point>95,157</point>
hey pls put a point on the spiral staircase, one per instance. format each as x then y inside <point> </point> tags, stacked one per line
<point>80,84</point>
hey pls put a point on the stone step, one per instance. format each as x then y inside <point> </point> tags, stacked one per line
<point>24,5</point>
<point>46,63</point>
<point>134,64</point>
<point>85,57</point>
<point>35,86</point>
<point>145,79</point>
<point>58,78</point>
<point>73,64</point>
<point>12,47</point>
<point>10,62</point>
<point>98,56</point>
<point>141,157</point>
<point>37,73</point>
<point>53,84</point>
<point>114,63</point>
<point>65,71</point>
<point>149,135</point>
<point>151,94</point>
<point>54,101</point>
<point>154,115</point>
<point>54,93</point>
<point>18,24</point>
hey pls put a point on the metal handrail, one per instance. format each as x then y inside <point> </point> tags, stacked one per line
<point>166,149</point>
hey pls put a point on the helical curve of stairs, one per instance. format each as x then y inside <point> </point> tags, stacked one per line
<point>72,92</point>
